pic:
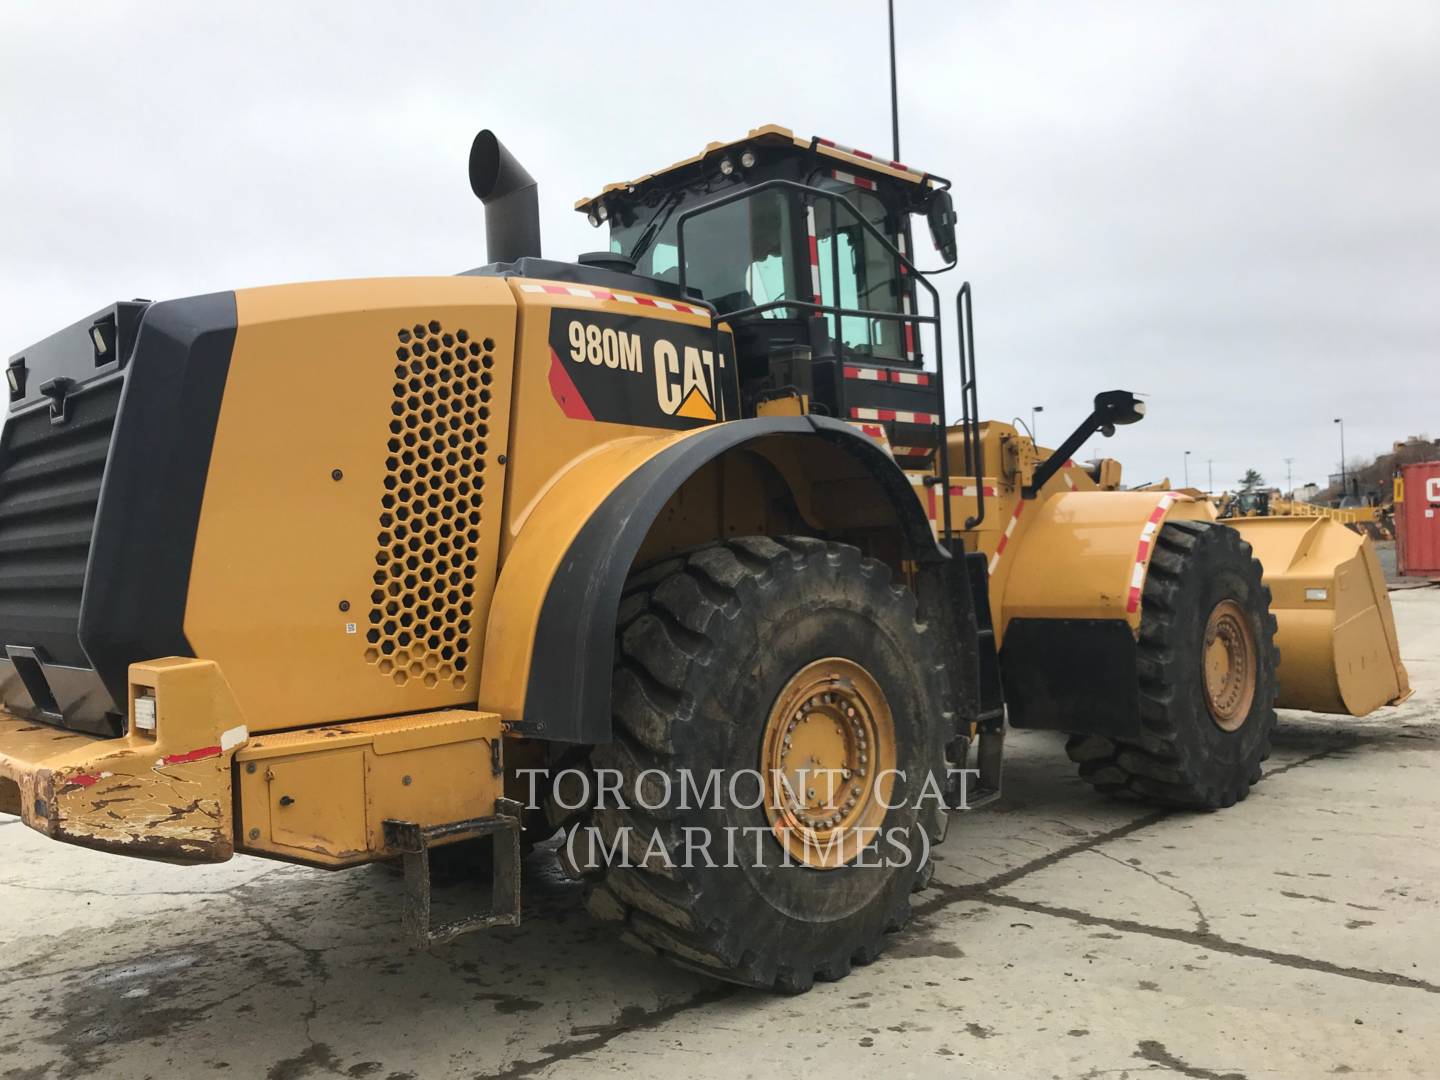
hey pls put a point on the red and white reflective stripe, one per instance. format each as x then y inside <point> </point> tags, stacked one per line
<point>606,294</point>
<point>814,252</point>
<point>867,157</point>
<point>923,480</point>
<point>1005,536</point>
<point>893,414</point>
<point>199,754</point>
<point>919,479</point>
<point>1142,550</point>
<point>902,378</point>
<point>851,178</point>
<point>875,431</point>
<point>909,327</point>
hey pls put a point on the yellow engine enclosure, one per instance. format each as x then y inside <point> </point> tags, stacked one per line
<point>332,438</point>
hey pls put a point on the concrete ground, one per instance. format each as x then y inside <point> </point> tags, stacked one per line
<point>1067,936</point>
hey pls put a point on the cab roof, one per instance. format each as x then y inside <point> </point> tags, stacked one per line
<point>771,134</point>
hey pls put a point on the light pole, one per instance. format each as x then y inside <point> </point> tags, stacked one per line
<point>1034,410</point>
<point>1289,483</point>
<point>1210,484</point>
<point>1187,468</point>
<point>1344,487</point>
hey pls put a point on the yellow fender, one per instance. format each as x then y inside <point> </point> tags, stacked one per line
<point>550,636</point>
<point>1338,648</point>
<point>1082,554</point>
<point>1067,576</point>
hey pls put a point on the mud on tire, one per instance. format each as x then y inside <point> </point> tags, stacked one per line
<point>1183,757</point>
<point>705,643</point>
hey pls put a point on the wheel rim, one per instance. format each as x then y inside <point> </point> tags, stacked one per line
<point>831,736</point>
<point>1229,663</point>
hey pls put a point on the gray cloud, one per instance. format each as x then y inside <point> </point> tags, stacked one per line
<point>1232,207</point>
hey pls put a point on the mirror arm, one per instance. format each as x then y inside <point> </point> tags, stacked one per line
<point>1111,408</point>
<point>1056,461</point>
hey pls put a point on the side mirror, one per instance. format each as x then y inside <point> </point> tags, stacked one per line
<point>1117,407</point>
<point>941,216</point>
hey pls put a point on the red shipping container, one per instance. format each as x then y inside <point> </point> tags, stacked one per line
<point>1417,520</point>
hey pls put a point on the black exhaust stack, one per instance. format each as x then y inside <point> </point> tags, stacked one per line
<point>512,204</point>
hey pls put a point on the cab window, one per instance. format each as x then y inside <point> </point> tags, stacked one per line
<point>869,275</point>
<point>741,255</point>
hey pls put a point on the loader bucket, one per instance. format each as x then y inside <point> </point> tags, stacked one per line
<point>1338,649</point>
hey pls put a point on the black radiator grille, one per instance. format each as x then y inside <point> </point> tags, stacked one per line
<point>49,488</point>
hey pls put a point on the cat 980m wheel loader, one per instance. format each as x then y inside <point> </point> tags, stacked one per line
<point>671,548</point>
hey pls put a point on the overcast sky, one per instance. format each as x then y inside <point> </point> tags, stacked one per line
<point>1231,207</point>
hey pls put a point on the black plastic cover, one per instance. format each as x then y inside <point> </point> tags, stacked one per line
<point>1075,675</point>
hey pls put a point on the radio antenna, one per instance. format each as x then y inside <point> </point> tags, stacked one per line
<point>894,93</point>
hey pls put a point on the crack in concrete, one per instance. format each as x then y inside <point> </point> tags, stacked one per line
<point>946,894</point>
<point>315,1055</point>
<point>314,958</point>
<point>1202,924</point>
<point>598,1036</point>
<point>1343,744</point>
<point>1213,943</point>
<point>987,891</point>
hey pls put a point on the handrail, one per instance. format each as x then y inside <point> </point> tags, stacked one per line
<point>969,402</point>
<point>836,310</point>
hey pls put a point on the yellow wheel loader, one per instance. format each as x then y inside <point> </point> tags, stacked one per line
<point>671,552</point>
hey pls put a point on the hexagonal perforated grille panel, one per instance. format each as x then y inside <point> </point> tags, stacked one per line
<point>423,603</point>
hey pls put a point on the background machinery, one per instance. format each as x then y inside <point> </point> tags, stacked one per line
<point>353,571</point>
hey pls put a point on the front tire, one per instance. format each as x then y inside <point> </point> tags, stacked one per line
<point>715,650</point>
<point>1207,660</point>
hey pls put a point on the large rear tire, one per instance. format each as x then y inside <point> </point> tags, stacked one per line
<point>735,656</point>
<point>1207,661</point>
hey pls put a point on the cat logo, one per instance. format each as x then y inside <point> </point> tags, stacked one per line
<point>685,386</point>
<point>641,371</point>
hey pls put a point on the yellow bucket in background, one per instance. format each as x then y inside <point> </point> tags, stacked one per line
<point>1338,648</point>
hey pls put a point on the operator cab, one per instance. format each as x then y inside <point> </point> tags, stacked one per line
<point>800,245</point>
